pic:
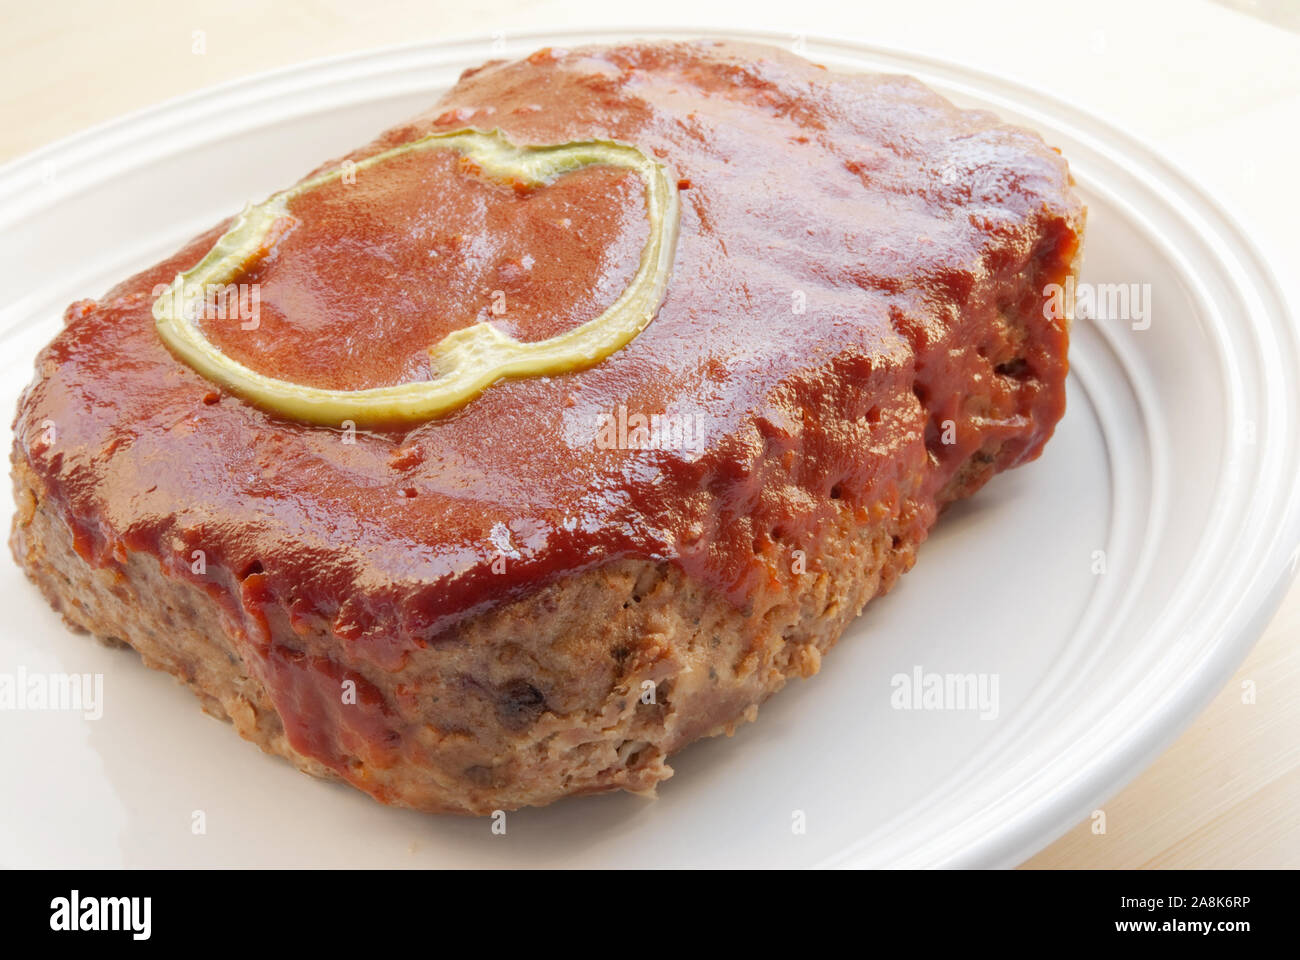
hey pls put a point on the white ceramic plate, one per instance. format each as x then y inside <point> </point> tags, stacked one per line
<point>1177,459</point>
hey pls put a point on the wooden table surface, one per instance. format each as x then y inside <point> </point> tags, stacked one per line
<point>1216,88</point>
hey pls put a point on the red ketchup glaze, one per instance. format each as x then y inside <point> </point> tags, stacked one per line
<point>372,273</point>
<point>889,216</point>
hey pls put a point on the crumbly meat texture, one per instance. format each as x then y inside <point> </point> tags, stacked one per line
<point>499,595</point>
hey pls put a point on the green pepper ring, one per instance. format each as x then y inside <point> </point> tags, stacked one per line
<point>466,361</point>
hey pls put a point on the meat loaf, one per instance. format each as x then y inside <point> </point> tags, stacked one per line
<point>551,589</point>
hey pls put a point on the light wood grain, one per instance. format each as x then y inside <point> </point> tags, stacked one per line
<point>1227,794</point>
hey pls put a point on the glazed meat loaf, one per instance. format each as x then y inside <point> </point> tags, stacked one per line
<point>552,588</point>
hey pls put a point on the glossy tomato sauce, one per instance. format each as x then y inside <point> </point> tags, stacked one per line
<point>855,255</point>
